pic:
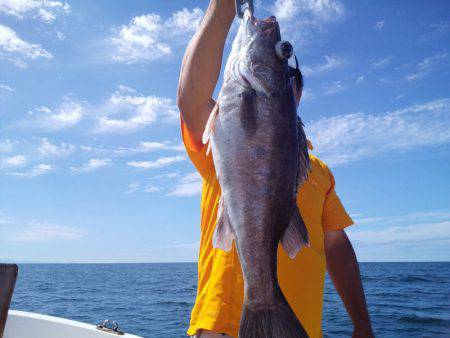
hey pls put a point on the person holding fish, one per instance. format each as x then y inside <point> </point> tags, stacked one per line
<point>260,189</point>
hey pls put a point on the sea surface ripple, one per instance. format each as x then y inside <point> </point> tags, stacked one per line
<point>155,300</point>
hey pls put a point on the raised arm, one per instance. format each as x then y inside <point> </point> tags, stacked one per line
<point>201,65</point>
<point>343,269</point>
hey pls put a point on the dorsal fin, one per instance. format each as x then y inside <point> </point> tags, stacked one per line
<point>304,164</point>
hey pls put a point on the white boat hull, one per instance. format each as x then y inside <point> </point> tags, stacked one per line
<point>31,325</point>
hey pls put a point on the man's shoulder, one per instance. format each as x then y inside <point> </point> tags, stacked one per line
<point>317,163</point>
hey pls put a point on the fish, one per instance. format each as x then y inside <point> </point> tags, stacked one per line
<point>260,154</point>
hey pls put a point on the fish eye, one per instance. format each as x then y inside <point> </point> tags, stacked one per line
<point>284,50</point>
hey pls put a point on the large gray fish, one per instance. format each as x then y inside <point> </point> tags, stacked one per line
<point>260,155</point>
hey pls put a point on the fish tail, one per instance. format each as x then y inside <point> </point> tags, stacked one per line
<point>274,321</point>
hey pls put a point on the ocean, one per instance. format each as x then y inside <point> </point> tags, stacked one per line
<point>154,300</point>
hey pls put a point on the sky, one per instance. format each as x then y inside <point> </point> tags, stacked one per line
<point>92,167</point>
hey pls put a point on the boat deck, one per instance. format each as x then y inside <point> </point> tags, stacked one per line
<point>22,324</point>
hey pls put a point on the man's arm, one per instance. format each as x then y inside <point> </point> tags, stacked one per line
<point>201,65</point>
<point>343,269</point>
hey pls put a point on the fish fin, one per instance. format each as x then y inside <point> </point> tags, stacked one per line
<point>223,236</point>
<point>304,163</point>
<point>271,321</point>
<point>8,277</point>
<point>209,127</point>
<point>208,149</point>
<point>248,111</point>
<point>296,235</point>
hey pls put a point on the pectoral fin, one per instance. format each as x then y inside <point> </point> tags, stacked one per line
<point>223,236</point>
<point>296,234</point>
<point>209,128</point>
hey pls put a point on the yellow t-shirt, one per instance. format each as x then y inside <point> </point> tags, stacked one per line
<point>220,288</point>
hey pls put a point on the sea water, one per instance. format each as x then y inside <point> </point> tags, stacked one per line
<point>155,300</point>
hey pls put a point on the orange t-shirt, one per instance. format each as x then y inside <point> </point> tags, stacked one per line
<point>220,288</point>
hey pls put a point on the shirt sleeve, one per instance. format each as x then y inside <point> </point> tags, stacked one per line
<point>334,215</point>
<point>197,153</point>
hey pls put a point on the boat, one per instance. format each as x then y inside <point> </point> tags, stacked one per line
<point>21,324</point>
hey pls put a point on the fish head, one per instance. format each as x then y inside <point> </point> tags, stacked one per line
<point>263,56</point>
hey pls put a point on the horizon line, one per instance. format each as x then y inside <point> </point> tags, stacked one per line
<point>188,262</point>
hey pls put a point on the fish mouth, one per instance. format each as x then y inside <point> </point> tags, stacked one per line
<point>265,26</point>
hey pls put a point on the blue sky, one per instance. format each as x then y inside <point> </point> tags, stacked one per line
<point>92,168</point>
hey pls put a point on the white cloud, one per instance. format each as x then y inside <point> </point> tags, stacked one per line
<point>431,61</point>
<point>68,114</point>
<point>139,111</point>
<point>41,231</point>
<point>45,10</point>
<point>413,76</point>
<point>37,170</point>
<point>151,188</point>
<point>350,137</point>
<point>415,217</point>
<point>147,147</point>
<point>160,162</point>
<point>6,145</point>
<point>438,29</point>
<point>407,237</point>
<point>92,164</point>
<point>424,67</point>
<point>60,35</point>
<point>6,88</point>
<point>148,37</point>
<point>379,25</point>
<point>46,16</point>
<point>133,187</point>
<point>143,147</point>
<point>412,233</point>
<point>90,149</point>
<point>333,88</point>
<point>125,111</point>
<point>360,79</point>
<point>331,63</point>
<point>15,50</point>
<point>165,175</point>
<point>188,185</point>
<point>299,19</point>
<point>324,10</point>
<point>4,221</point>
<point>382,63</point>
<point>308,94</point>
<point>49,149</point>
<point>14,161</point>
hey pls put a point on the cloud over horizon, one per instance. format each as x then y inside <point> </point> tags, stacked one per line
<point>350,137</point>
<point>44,232</point>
